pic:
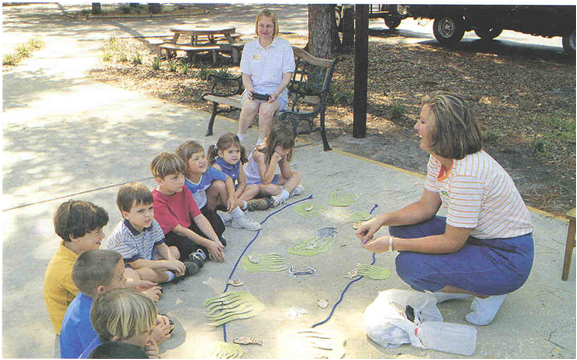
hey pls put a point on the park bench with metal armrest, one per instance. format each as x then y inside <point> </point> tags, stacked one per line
<point>308,94</point>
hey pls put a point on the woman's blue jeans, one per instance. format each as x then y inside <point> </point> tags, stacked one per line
<point>484,267</point>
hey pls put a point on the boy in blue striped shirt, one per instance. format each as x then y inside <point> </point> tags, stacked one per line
<point>140,240</point>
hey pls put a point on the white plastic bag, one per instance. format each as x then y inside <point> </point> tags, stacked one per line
<point>386,322</point>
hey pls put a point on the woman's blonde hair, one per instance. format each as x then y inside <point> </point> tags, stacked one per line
<point>269,14</point>
<point>122,314</point>
<point>279,135</point>
<point>454,133</point>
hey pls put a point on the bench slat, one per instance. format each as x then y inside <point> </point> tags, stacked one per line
<point>233,101</point>
<point>189,47</point>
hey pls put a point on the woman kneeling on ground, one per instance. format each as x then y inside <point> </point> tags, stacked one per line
<point>484,246</point>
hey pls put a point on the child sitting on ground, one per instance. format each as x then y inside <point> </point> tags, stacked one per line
<point>94,272</point>
<point>117,350</point>
<point>124,316</point>
<point>183,224</point>
<point>229,156</point>
<point>79,224</point>
<point>277,150</point>
<point>211,188</point>
<point>140,240</point>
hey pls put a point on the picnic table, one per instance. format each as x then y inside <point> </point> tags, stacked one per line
<point>208,38</point>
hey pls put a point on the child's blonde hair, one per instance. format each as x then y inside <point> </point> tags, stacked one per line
<point>224,143</point>
<point>185,151</point>
<point>133,192</point>
<point>279,135</point>
<point>122,314</point>
<point>165,164</point>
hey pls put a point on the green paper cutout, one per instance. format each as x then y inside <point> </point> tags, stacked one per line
<point>342,199</point>
<point>312,246</point>
<point>315,211</point>
<point>357,216</point>
<point>232,306</point>
<point>222,350</point>
<point>267,262</point>
<point>373,272</point>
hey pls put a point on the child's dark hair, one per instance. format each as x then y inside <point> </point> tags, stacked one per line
<point>279,135</point>
<point>131,192</point>
<point>118,350</point>
<point>165,164</point>
<point>77,218</point>
<point>94,268</point>
<point>185,151</point>
<point>224,142</point>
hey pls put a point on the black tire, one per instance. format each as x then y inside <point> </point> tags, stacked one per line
<point>448,29</point>
<point>400,10</point>
<point>569,43</point>
<point>489,34</point>
<point>392,23</point>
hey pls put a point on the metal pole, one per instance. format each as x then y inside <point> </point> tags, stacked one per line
<point>361,70</point>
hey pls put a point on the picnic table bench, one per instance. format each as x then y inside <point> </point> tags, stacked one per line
<point>308,94</point>
<point>204,39</point>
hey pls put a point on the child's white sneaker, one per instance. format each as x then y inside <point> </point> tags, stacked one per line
<point>245,222</point>
<point>484,310</point>
<point>225,217</point>
<point>276,201</point>
<point>299,189</point>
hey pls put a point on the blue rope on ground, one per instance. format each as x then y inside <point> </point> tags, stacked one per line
<point>346,287</point>
<point>250,243</point>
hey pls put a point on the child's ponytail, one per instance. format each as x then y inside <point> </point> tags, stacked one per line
<point>212,154</point>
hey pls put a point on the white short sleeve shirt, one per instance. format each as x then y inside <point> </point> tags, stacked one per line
<point>267,66</point>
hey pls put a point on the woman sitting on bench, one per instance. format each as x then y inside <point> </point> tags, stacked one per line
<point>267,66</point>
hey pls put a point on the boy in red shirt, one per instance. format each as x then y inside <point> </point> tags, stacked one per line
<point>183,224</point>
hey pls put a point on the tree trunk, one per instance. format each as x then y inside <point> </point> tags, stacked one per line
<point>323,32</point>
<point>154,8</point>
<point>96,9</point>
<point>348,22</point>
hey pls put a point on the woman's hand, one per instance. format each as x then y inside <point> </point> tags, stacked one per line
<point>378,245</point>
<point>367,229</point>
<point>230,203</point>
<point>272,97</point>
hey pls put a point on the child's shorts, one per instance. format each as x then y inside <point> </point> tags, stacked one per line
<point>485,267</point>
<point>281,101</point>
<point>259,181</point>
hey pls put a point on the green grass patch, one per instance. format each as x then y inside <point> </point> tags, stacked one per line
<point>22,51</point>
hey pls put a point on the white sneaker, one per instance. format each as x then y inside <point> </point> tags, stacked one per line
<point>298,190</point>
<point>225,217</point>
<point>276,201</point>
<point>484,310</point>
<point>245,222</point>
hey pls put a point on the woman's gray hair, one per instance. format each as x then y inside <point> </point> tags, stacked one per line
<point>454,133</point>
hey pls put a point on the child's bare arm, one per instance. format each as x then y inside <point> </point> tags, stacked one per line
<point>241,181</point>
<point>231,203</point>
<point>285,168</point>
<point>265,171</point>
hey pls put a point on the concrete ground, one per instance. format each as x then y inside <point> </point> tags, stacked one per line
<point>66,136</point>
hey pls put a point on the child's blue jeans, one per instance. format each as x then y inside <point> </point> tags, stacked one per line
<point>484,267</point>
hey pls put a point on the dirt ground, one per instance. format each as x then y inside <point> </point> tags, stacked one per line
<point>525,104</point>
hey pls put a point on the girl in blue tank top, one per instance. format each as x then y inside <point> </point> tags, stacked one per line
<point>228,156</point>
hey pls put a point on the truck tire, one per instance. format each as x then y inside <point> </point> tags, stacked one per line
<point>448,29</point>
<point>489,34</point>
<point>392,23</point>
<point>569,43</point>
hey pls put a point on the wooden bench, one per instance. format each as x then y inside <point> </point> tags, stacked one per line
<point>308,94</point>
<point>190,50</point>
